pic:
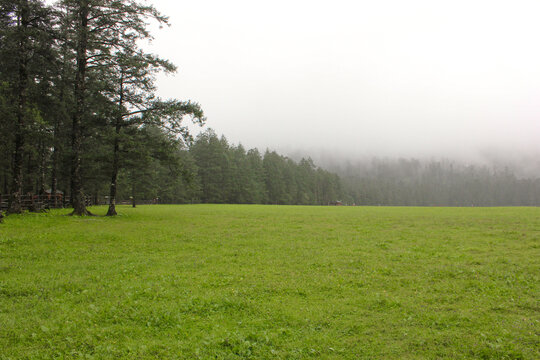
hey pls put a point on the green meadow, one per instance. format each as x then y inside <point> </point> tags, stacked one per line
<point>271,282</point>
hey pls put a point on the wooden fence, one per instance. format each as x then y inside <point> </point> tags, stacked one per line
<point>40,202</point>
<point>43,202</point>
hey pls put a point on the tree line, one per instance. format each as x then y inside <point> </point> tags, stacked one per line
<point>211,170</point>
<point>231,174</point>
<point>77,98</point>
<point>411,182</point>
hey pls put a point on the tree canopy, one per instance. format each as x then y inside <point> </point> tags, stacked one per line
<point>75,90</point>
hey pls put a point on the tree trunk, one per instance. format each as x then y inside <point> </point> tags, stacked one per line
<point>114,177</point>
<point>6,184</point>
<point>43,204</point>
<point>77,196</point>
<point>15,203</point>
<point>55,152</point>
<point>133,201</point>
<point>59,120</point>
<point>54,171</point>
<point>42,166</point>
<point>116,151</point>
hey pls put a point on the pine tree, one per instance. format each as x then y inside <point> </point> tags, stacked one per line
<point>23,24</point>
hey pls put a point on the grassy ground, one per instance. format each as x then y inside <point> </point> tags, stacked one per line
<point>260,282</point>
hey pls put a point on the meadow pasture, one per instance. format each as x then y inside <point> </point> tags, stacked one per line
<point>271,282</point>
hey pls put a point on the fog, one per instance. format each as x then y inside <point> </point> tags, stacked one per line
<point>355,79</point>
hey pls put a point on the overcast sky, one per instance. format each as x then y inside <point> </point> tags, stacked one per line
<point>385,77</point>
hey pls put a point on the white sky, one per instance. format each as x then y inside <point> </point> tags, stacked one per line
<point>384,77</point>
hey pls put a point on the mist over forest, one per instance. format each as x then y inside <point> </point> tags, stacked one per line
<point>495,181</point>
<point>490,178</point>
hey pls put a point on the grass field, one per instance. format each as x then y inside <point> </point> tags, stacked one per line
<point>265,282</point>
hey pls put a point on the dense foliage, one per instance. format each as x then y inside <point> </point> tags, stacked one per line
<point>230,174</point>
